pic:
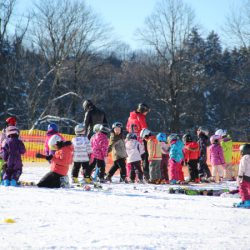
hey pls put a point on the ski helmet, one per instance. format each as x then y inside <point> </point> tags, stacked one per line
<point>173,137</point>
<point>161,137</point>
<point>142,107</point>
<point>203,130</point>
<point>80,129</point>
<point>96,128</point>
<point>117,124</point>
<point>11,121</point>
<point>214,138</point>
<point>52,127</point>
<point>245,149</point>
<point>131,136</point>
<point>187,138</point>
<point>54,139</point>
<point>87,104</point>
<point>12,130</point>
<point>104,129</point>
<point>221,132</point>
<point>144,133</point>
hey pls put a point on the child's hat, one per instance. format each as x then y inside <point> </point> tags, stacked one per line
<point>80,129</point>
<point>54,139</point>
<point>11,121</point>
<point>12,130</point>
<point>161,137</point>
<point>52,127</point>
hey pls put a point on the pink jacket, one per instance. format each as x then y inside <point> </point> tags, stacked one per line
<point>100,144</point>
<point>216,155</point>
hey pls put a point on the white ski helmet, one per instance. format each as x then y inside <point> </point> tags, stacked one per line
<point>97,128</point>
<point>80,129</point>
<point>221,132</point>
<point>145,132</point>
<point>53,141</point>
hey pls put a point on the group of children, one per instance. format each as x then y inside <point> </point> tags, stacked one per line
<point>166,156</point>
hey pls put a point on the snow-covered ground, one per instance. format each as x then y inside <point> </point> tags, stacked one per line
<point>121,216</point>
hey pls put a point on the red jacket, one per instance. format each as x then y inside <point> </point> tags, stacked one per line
<point>61,160</point>
<point>191,151</point>
<point>139,122</point>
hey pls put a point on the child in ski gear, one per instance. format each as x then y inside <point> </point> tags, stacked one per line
<point>191,155</point>
<point>162,138</point>
<point>154,157</point>
<point>216,157</point>
<point>99,144</point>
<point>60,161</point>
<point>244,176</point>
<point>12,151</point>
<point>175,159</point>
<point>52,130</point>
<point>119,154</point>
<point>227,146</point>
<point>134,151</point>
<point>203,141</point>
<point>81,154</point>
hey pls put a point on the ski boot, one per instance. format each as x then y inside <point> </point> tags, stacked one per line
<point>75,180</point>
<point>13,183</point>
<point>172,182</point>
<point>242,204</point>
<point>6,183</point>
<point>88,180</point>
<point>108,179</point>
<point>64,181</point>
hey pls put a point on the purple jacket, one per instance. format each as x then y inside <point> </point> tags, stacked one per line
<point>12,151</point>
<point>216,155</point>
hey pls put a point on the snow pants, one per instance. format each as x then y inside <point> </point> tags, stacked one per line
<point>12,173</point>
<point>134,169</point>
<point>50,180</point>
<point>145,162</point>
<point>217,170</point>
<point>164,167</point>
<point>96,163</point>
<point>155,170</point>
<point>76,168</point>
<point>193,169</point>
<point>175,170</point>
<point>119,164</point>
<point>244,190</point>
<point>203,169</point>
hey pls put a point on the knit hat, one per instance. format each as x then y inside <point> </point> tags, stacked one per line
<point>12,130</point>
<point>11,121</point>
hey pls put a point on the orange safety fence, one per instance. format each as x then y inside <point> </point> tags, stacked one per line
<point>34,142</point>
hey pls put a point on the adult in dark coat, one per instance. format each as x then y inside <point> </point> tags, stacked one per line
<point>93,116</point>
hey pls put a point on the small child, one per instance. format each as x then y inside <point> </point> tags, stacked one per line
<point>154,156</point>
<point>12,151</point>
<point>191,155</point>
<point>244,176</point>
<point>60,161</point>
<point>119,154</point>
<point>99,144</point>
<point>162,138</point>
<point>134,150</point>
<point>52,130</point>
<point>81,155</point>
<point>216,158</point>
<point>175,159</point>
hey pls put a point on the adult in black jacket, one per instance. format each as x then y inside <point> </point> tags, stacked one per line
<point>93,116</point>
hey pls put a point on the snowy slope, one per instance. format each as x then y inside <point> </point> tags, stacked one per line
<point>125,217</point>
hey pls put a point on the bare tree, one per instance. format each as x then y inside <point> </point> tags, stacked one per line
<point>165,32</point>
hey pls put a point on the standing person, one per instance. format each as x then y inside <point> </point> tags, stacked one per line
<point>216,158</point>
<point>137,122</point>
<point>93,116</point>
<point>119,154</point>
<point>12,151</point>
<point>134,150</point>
<point>191,155</point>
<point>244,176</point>
<point>81,154</point>
<point>203,141</point>
<point>227,146</point>
<point>51,130</point>
<point>99,144</point>
<point>60,161</point>
<point>162,138</point>
<point>175,159</point>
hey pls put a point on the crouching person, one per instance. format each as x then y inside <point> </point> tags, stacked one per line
<point>60,161</point>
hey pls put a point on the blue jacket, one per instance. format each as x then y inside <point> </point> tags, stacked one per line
<point>176,151</point>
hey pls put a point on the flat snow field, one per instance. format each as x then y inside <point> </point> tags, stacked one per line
<point>120,216</point>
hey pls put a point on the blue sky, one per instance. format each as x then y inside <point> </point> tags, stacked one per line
<point>125,16</point>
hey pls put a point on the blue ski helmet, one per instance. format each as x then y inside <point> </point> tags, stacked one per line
<point>52,127</point>
<point>161,137</point>
<point>131,136</point>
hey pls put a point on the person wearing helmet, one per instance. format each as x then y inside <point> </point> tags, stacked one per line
<point>175,159</point>
<point>191,155</point>
<point>162,138</point>
<point>93,116</point>
<point>12,150</point>
<point>134,151</point>
<point>243,178</point>
<point>99,143</point>
<point>216,158</point>
<point>203,141</point>
<point>51,130</point>
<point>60,162</point>
<point>119,154</point>
<point>81,154</point>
